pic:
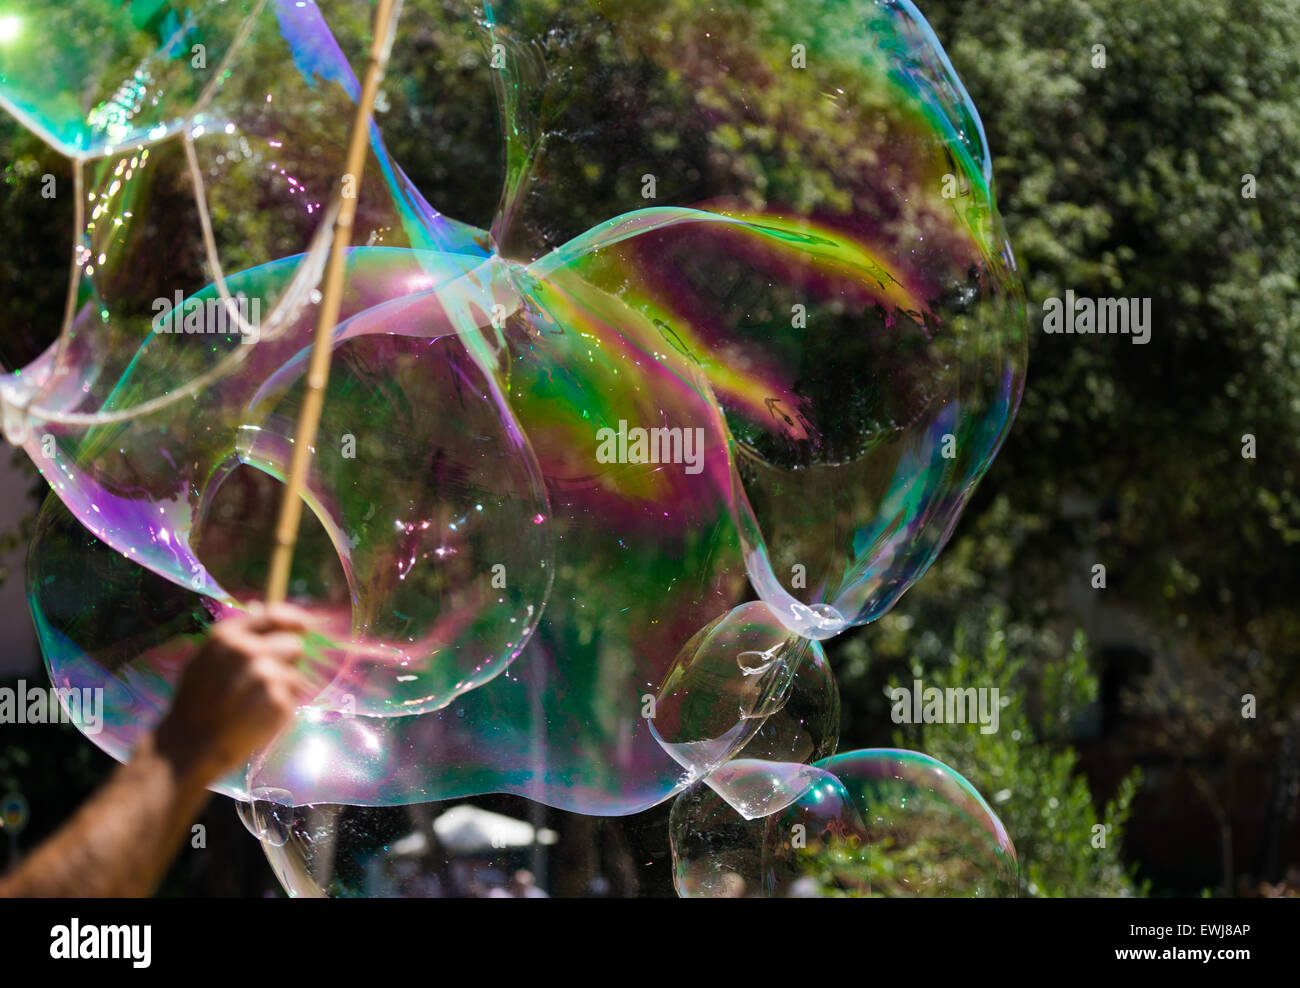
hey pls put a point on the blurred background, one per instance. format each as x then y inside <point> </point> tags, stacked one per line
<point>1171,173</point>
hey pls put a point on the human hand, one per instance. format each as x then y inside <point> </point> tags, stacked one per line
<point>237,692</point>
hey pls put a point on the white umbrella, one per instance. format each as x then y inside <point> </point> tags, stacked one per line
<point>466,829</point>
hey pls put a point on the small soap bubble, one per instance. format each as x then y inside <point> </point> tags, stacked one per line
<point>872,823</point>
<point>273,814</point>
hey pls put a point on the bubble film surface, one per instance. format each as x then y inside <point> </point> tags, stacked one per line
<point>340,851</point>
<point>720,854</point>
<point>736,665</point>
<point>742,323</point>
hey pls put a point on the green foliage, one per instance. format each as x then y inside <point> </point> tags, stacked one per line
<point>1128,181</point>
<point>34,275</point>
<point>1026,770</point>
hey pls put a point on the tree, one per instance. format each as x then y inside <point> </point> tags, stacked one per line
<point>1026,770</point>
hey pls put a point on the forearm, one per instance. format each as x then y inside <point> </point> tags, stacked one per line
<point>123,838</point>
<point>234,696</point>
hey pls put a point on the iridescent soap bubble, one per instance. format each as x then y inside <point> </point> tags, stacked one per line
<point>724,333</point>
<point>772,769</point>
<point>92,75</point>
<point>839,278</point>
<point>930,833</point>
<point>717,825</point>
<point>716,851</point>
<point>877,822</point>
<point>729,679</point>
<point>436,549</point>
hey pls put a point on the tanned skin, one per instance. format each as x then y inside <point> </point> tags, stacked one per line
<point>235,695</point>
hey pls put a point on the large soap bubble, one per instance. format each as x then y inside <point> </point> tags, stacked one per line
<point>148,416</point>
<point>818,236</point>
<point>743,322</point>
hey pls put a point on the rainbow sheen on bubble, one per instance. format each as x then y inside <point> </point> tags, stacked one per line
<point>725,336</point>
<point>336,850</point>
<point>89,77</point>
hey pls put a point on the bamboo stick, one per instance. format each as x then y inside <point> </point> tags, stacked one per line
<point>286,530</point>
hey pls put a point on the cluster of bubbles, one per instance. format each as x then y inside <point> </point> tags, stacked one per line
<point>596,475</point>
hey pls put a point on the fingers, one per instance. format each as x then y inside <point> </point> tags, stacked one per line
<point>241,688</point>
<point>277,617</point>
<point>260,705</point>
<point>274,686</point>
<point>283,645</point>
<point>238,649</point>
<point>275,630</point>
